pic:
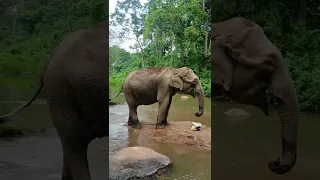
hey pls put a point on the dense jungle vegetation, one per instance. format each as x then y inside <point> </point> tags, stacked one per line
<point>171,33</point>
<point>30,29</point>
<point>294,27</point>
<point>167,33</point>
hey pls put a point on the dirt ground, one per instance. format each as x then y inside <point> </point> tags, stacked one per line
<point>178,132</point>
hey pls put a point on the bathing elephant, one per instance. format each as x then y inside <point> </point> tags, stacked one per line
<point>75,84</point>
<point>158,84</point>
<point>245,64</point>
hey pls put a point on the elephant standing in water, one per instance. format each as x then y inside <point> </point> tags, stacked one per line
<point>76,83</point>
<point>159,84</point>
<point>244,65</point>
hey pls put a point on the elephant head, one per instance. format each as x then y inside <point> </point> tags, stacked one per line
<point>187,82</point>
<point>244,65</point>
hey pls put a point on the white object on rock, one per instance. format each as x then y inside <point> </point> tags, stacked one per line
<point>195,126</point>
<point>184,97</point>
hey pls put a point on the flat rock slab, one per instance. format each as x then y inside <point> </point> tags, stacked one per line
<point>178,132</point>
<point>136,163</point>
<point>236,112</point>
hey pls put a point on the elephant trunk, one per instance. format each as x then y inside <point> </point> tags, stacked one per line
<point>200,94</point>
<point>289,116</point>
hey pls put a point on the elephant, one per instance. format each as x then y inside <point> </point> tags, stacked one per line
<point>245,67</point>
<point>158,84</point>
<point>75,83</point>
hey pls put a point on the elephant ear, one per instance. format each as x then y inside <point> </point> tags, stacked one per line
<point>243,62</point>
<point>248,48</point>
<point>176,81</point>
<point>222,65</point>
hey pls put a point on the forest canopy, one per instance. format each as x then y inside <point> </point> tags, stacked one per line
<point>30,29</point>
<point>172,33</point>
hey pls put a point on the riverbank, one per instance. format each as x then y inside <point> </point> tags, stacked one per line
<point>189,150</point>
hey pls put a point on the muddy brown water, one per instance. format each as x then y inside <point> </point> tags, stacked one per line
<point>241,148</point>
<point>188,162</point>
<point>39,156</point>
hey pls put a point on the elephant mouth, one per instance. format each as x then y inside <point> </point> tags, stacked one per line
<point>194,93</point>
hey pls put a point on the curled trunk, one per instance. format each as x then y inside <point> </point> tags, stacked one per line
<point>284,90</point>
<point>200,94</point>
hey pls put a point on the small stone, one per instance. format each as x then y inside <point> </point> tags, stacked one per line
<point>236,112</point>
<point>136,162</point>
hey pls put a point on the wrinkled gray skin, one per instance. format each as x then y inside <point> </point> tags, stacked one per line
<point>158,84</point>
<point>244,65</point>
<point>76,83</point>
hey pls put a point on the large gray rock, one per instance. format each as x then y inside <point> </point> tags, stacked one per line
<point>136,163</point>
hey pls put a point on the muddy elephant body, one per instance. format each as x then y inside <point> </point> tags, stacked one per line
<point>75,85</point>
<point>244,65</point>
<point>158,84</point>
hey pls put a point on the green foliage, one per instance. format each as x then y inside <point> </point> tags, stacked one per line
<point>293,26</point>
<point>170,33</point>
<point>30,29</point>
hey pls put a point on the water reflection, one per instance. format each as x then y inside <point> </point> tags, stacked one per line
<point>242,149</point>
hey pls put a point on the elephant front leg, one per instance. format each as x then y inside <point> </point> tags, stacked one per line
<point>163,112</point>
<point>165,121</point>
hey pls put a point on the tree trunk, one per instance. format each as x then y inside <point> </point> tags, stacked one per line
<point>206,31</point>
<point>302,18</point>
<point>142,59</point>
<point>200,94</point>
<point>182,54</point>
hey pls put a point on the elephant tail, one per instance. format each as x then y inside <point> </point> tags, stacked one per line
<point>116,94</point>
<point>4,118</point>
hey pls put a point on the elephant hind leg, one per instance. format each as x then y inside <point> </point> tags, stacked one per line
<point>133,117</point>
<point>75,161</point>
<point>66,173</point>
<point>130,121</point>
<point>74,136</point>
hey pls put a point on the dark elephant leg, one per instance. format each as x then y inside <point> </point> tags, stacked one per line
<point>163,111</point>
<point>165,121</point>
<point>74,134</point>
<point>66,173</point>
<point>134,116</point>
<point>75,152</point>
<point>130,120</point>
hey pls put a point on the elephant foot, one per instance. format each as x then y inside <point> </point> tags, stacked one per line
<point>136,125</point>
<point>161,125</point>
<point>165,123</point>
<point>130,122</point>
